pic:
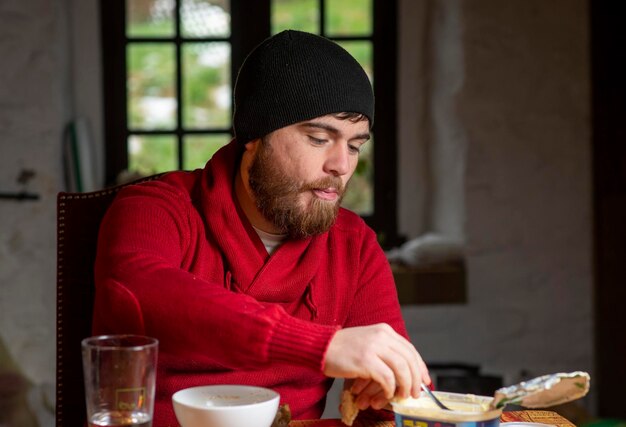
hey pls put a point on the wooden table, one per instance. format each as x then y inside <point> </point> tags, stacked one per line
<point>544,417</point>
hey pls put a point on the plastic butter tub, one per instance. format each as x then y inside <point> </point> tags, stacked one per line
<point>468,410</point>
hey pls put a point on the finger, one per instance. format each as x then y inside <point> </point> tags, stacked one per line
<point>372,389</point>
<point>379,401</point>
<point>404,360</point>
<point>375,397</point>
<point>425,377</point>
<point>369,393</point>
<point>416,380</point>
<point>418,369</point>
<point>384,375</point>
<point>402,372</point>
<point>362,402</point>
<point>424,371</point>
<point>359,384</point>
<point>420,375</point>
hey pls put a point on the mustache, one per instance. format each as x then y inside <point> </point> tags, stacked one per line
<point>326,182</point>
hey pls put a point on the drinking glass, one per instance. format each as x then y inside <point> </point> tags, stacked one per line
<point>120,377</point>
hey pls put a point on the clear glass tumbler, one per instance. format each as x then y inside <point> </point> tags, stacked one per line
<point>120,377</point>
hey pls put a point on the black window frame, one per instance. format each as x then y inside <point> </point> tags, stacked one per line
<point>255,17</point>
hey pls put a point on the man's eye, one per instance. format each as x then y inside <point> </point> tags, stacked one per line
<point>356,149</point>
<point>317,141</point>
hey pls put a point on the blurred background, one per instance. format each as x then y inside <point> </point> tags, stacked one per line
<point>495,178</point>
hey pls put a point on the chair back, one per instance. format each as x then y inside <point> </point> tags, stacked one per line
<point>78,222</point>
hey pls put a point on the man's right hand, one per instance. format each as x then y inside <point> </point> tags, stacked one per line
<point>383,362</point>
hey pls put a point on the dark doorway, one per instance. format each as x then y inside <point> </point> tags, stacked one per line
<point>608,44</point>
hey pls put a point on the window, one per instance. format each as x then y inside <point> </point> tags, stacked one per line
<point>170,66</point>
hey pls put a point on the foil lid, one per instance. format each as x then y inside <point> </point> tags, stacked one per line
<point>544,391</point>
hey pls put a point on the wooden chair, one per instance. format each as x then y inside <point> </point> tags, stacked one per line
<point>78,221</point>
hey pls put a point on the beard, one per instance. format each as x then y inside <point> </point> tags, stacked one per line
<point>278,197</point>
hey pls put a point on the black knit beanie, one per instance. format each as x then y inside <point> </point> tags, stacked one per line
<point>295,76</point>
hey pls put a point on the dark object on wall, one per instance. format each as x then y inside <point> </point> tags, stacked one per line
<point>21,195</point>
<point>24,177</point>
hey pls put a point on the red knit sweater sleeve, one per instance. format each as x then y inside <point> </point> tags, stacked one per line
<point>143,245</point>
<point>376,299</point>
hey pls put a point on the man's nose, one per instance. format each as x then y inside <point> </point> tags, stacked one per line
<point>338,160</point>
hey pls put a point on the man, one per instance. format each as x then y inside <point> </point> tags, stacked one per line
<point>248,271</point>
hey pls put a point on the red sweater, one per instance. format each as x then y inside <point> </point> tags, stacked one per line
<point>177,260</point>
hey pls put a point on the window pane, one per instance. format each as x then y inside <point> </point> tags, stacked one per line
<point>360,195</point>
<point>362,52</point>
<point>205,18</point>
<point>151,86</point>
<point>348,17</point>
<point>198,149</point>
<point>150,154</point>
<point>300,15</point>
<point>150,18</point>
<point>206,85</point>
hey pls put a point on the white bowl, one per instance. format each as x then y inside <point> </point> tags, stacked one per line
<point>225,406</point>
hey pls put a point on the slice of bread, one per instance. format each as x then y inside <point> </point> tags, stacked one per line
<point>348,408</point>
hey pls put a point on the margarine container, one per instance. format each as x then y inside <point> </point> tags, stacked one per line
<point>468,410</point>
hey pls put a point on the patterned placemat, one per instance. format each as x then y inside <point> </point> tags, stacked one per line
<point>544,417</point>
<point>338,423</point>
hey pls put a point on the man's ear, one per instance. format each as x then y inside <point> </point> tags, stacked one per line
<point>249,153</point>
<point>253,145</point>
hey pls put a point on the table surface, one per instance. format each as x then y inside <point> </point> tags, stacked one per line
<point>544,417</point>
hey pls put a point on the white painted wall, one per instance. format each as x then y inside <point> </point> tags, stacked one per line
<point>34,107</point>
<point>518,114</point>
<point>519,128</point>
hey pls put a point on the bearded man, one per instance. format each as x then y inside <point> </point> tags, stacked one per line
<point>248,271</point>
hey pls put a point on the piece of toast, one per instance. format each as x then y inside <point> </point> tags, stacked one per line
<point>348,408</point>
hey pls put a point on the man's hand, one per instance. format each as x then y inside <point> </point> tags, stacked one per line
<point>382,361</point>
